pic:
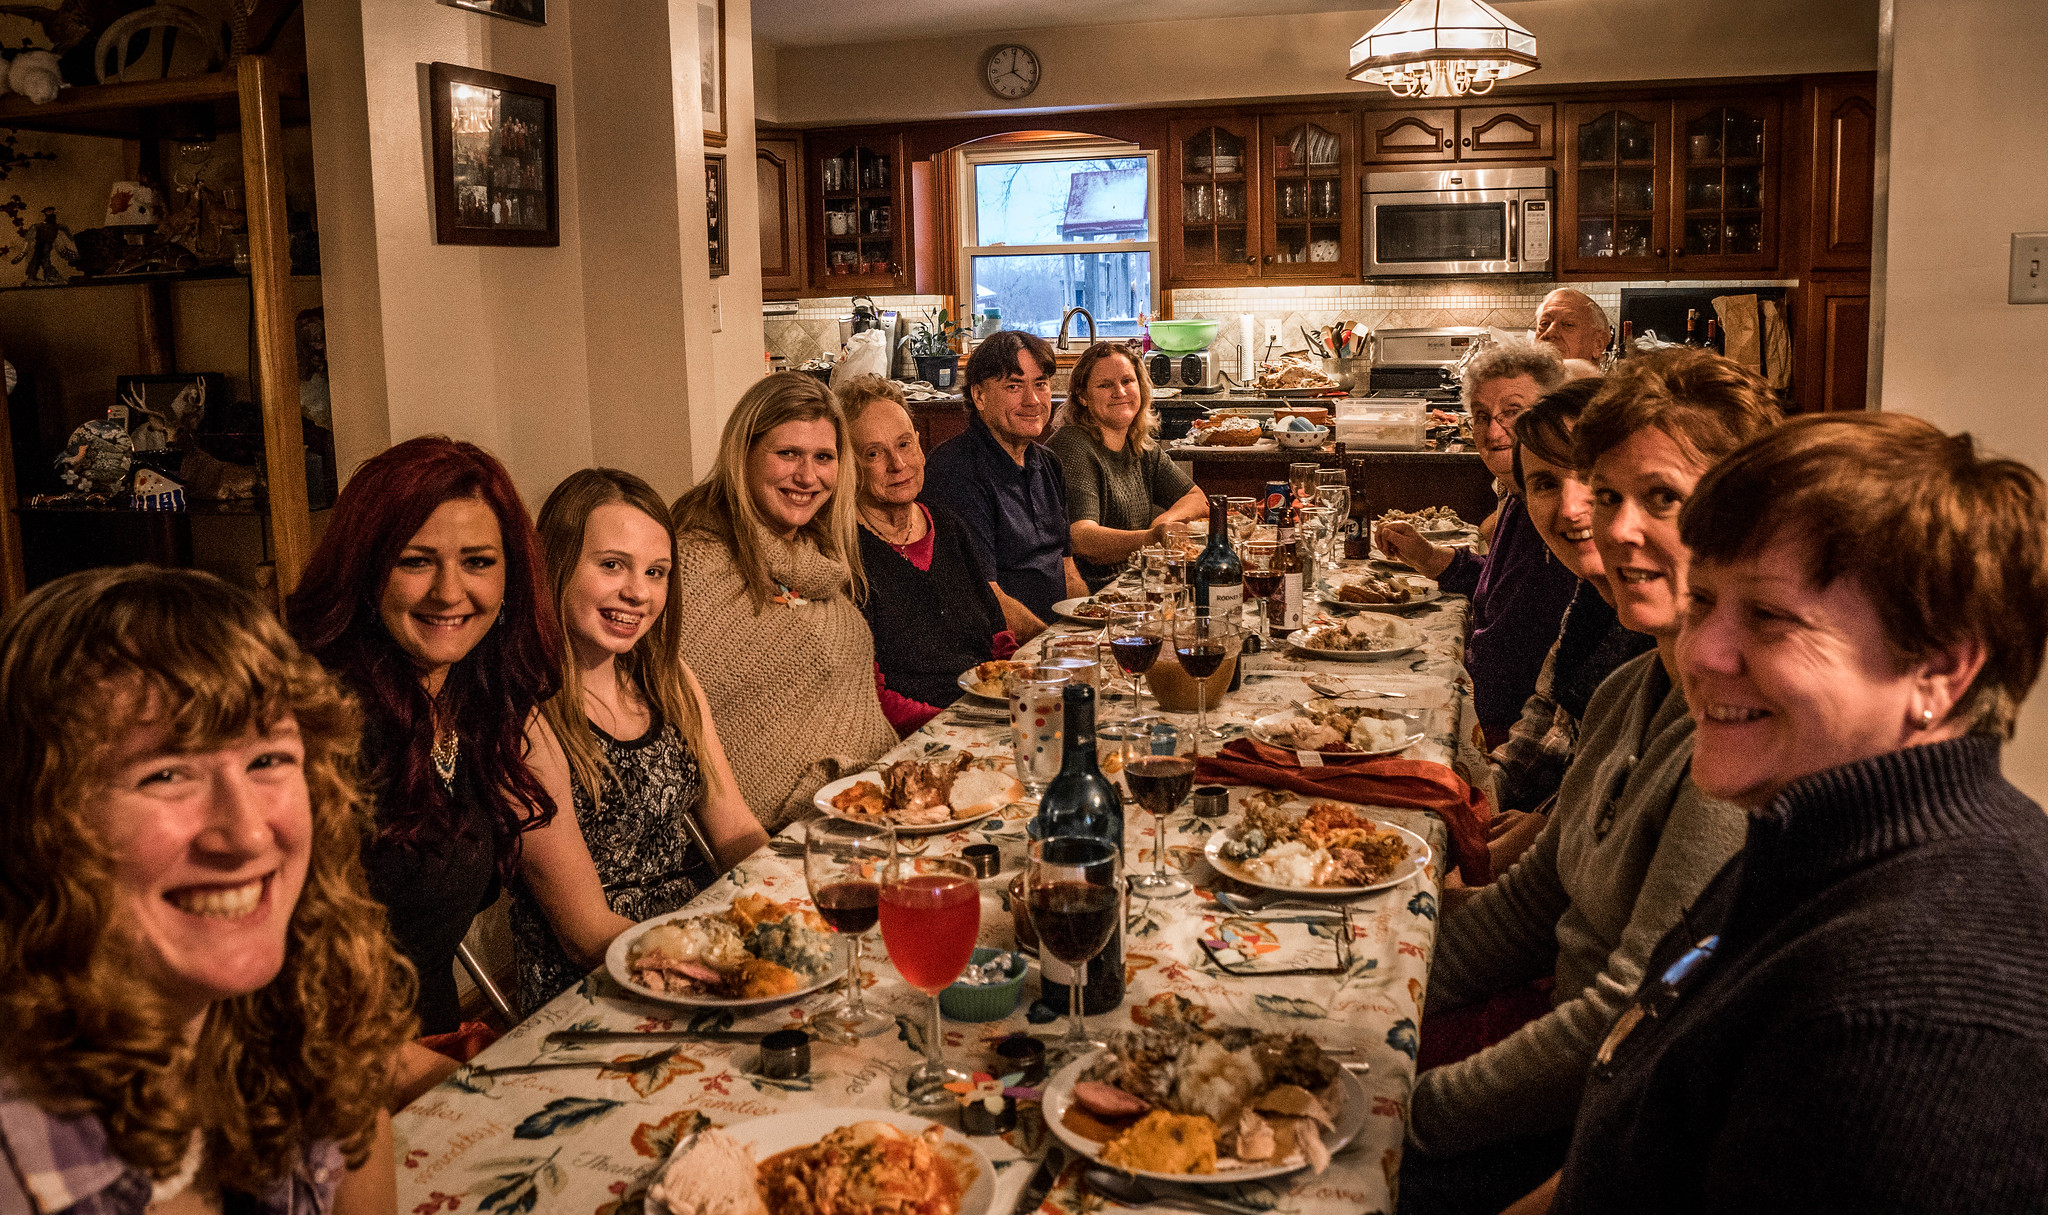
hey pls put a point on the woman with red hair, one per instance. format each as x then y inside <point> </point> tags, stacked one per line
<point>428,597</point>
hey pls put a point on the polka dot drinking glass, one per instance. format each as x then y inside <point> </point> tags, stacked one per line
<point>1037,721</point>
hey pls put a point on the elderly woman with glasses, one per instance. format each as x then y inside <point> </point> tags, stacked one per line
<point>1850,1016</point>
<point>1519,593</point>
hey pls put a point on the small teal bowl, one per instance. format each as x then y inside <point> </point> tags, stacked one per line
<point>960,1002</point>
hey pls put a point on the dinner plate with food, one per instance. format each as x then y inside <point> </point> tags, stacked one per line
<point>1337,730</point>
<point>1322,848</point>
<point>1431,522</point>
<point>1357,638</point>
<point>753,953</point>
<point>1205,1105</point>
<point>1379,592</point>
<point>986,679</point>
<point>826,1162</point>
<point>1095,609</point>
<point>922,796</point>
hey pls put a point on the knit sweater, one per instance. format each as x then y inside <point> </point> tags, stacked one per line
<point>1869,1033</point>
<point>1632,841</point>
<point>1125,490</point>
<point>930,624</point>
<point>792,684</point>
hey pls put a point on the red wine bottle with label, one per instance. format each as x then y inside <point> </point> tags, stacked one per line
<point>1217,576</point>
<point>1081,801</point>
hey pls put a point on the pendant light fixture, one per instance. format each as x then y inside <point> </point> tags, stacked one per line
<point>1443,48</point>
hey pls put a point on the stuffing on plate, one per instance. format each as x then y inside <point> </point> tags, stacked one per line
<point>1329,845</point>
<point>1373,589</point>
<point>755,949</point>
<point>1177,1097</point>
<point>868,1168</point>
<point>1428,519</point>
<point>1354,634</point>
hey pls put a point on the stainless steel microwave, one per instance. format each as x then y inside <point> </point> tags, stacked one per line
<point>1459,221</point>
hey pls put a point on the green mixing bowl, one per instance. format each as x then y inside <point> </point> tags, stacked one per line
<point>1182,337</point>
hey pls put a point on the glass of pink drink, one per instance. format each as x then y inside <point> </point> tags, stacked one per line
<point>931,914</point>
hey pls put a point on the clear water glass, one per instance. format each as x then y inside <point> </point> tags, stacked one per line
<point>1037,724</point>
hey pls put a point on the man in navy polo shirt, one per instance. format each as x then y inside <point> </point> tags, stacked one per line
<point>1004,486</point>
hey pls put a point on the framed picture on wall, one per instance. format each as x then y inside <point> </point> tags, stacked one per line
<point>495,177</point>
<point>711,68</point>
<point>714,211</point>
<point>533,12</point>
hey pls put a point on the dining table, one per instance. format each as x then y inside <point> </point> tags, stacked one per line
<point>590,1140</point>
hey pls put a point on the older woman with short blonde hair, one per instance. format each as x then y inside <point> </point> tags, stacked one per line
<point>766,593</point>
<point>1122,487</point>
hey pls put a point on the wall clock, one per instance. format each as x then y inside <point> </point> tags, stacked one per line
<point>1010,71</point>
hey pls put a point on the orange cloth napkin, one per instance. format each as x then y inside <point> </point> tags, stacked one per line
<point>1405,783</point>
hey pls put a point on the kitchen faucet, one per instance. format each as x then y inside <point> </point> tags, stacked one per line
<point>1066,317</point>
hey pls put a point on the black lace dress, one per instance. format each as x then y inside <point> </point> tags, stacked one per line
<point>644,856</point>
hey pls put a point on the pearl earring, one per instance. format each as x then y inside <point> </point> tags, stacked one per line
<point>1927,719</point>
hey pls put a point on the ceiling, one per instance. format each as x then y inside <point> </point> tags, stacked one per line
<point>838,23</point>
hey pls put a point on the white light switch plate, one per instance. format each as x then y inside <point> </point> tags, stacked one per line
<point>2029,269</point>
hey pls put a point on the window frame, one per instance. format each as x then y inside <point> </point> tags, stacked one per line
<point>1078,148</point>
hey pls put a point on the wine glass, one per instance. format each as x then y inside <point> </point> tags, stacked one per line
<point>1136,635</point>
<point>1202,643</point>
<point>1244,513</point>
<point>1152,572</point>
<point>1159,783</point>
<point>1262,578</point>
<point>843,865</point>
<point>1333,489</point>
<point>931,913</point>
<point>1070,888</point>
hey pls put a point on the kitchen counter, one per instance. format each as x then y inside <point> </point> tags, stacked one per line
<point>1380,480</point>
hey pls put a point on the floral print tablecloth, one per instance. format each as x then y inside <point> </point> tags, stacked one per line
<point>590,1141</point>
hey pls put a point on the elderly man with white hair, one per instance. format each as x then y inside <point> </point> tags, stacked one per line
<point>1570,323</point>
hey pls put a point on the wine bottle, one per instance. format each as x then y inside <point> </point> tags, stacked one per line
<point>1217,576</point>
<point>1081,801</point>
<point>1692,326</point>
<point>1283,609</point>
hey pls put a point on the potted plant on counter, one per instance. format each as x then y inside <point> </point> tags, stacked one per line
<point>931,344</point>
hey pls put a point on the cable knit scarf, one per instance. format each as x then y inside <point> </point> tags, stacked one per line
<point>792,684</point>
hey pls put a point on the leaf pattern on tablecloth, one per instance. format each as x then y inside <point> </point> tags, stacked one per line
<point>516,1187</point>
<point>1402,1037</point>
<point>1423,904</point>
<point>655,1140</point>
<point>649,1074</point>
<point>1171,1006</point>
<point>1288,1006</point>
<point>561,1114</point>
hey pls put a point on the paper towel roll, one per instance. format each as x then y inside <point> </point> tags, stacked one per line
<point>1247,361</point>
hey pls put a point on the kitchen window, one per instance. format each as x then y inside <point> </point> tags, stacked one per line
<point>1051,227</point>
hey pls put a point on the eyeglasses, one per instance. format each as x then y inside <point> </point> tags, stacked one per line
<point>1506,418</point>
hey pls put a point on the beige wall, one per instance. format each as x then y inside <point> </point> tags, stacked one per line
<point>1968,165</point>
<point>1276,57</point>
<point>599,350</point>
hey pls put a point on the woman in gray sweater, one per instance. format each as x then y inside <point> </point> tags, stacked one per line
<point>1631,842</point>
<point>1122,487</point>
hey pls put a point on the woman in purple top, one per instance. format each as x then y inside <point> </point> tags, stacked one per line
<point>1519,591</point>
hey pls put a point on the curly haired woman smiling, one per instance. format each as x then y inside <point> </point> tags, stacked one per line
<point>200,995</point>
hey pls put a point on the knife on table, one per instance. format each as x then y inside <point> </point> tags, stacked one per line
<point>579,1037</point>
<point>1041,1181</point>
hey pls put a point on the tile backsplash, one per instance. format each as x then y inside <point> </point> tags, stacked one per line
<point>814,330</point>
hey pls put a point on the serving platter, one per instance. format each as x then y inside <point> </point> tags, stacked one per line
<point>965,817</point>
<point>1424,591</point>
<point>1059,1097</point>
<point>1263,730</point>
<point>1066,609</point>
<point>622,947</point>
<point>780,1132</point>
<point>1418,860</point>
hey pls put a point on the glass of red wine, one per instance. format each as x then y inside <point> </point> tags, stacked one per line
<point>1262,577</point>
<point>843,864</point>
<point>1071,891</point>
<point>931,913</point>
<point>1160,783</point>
<point>1136,635</point>
<point>1203,643</point>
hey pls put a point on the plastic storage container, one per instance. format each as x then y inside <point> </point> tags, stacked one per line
<point>1382,423</point>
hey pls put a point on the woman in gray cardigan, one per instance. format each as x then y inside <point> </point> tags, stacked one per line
<point>1631,842</point>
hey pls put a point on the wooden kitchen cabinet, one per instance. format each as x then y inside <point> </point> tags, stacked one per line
<point>1842,189</point>
<point>1308,194</point>
<point>1612,194</point>
<point>1213,230</point>
<point>1671,187</point>
<point>779,170</point>
<point>1831,345</point>
<point>1450,135</point>
<point>859,218</point>
<point>1270,197</point>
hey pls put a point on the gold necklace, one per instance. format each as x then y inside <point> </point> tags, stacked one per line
<point>908,532</point>
<point>446,748</point>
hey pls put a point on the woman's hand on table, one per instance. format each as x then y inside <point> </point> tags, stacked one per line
<point>1402,541</point>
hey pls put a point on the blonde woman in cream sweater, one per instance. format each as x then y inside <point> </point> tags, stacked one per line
<point>767,593</point>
